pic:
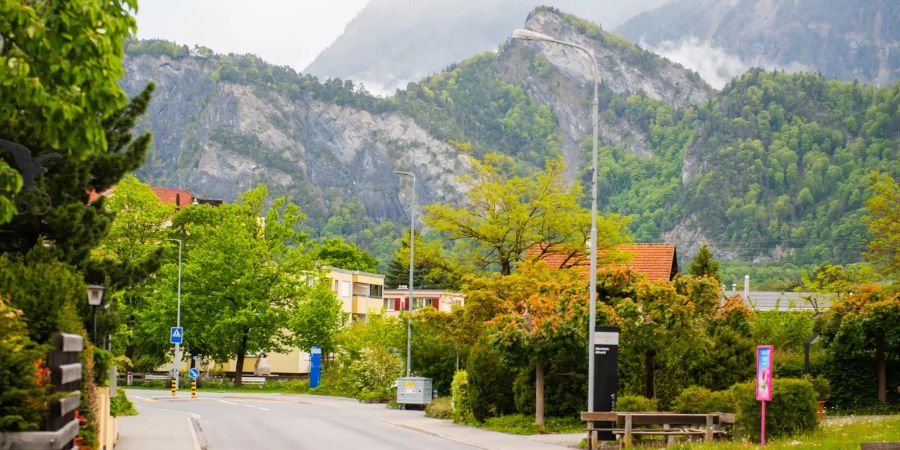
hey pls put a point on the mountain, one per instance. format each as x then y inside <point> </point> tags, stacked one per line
<point>771,168</point>
<point>844,40</point>
<point>393,42</point>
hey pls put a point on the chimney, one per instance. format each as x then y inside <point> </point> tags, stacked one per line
<point>746,287</point>
<point>178,199</point>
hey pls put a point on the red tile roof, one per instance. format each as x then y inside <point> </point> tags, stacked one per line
<point>658,262</point>
<point>170,195</point>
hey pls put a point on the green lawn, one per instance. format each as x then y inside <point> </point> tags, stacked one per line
<point>843,433</point>
<point>520,424</point>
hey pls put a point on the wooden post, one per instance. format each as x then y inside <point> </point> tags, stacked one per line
<point>626,440</point>
<point>708,437</point>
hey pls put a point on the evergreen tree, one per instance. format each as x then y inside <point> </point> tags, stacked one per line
<point>703,263</point>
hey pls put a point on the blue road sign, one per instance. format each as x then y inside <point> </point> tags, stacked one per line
<point>193,373</point>
<point>176,335</point>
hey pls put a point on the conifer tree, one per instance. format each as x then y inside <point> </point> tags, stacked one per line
<point>703,263</point>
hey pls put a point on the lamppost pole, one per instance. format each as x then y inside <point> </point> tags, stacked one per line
<point>178,317</point>
<point>529,35</point>
<point>412,259</point>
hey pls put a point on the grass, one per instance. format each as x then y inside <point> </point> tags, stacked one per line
<point>838,435</point>
<point>520,424</point>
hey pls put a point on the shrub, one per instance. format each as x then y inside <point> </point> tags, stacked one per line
<point>103,360</point>
<point>490,392</point>
<point>120,405</point>
<point>564,388</point>
<point>820,385</point>
<point>459,397</point>
<point>23,380</point>
<point>635,403</point>
<point>375,372</point>
<point>440,408</point>
<point>296,386</point>
<point>700,400</point>
<point>792,409</point>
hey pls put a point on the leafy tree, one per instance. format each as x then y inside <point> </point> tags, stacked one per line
<point>489,383</point>
<point>543,315</point>
<point>703,264</point>
<point>884,224</point>
<point>864,325</point>
<point>506,215</point>
<point>318,318</point>
<point>10,184</point>
<point>240,284</point>
<point>343,255</point>
<point>434,268</point>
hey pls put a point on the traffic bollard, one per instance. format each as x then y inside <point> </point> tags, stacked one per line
<point>174,386</point>
<point>193,388</point>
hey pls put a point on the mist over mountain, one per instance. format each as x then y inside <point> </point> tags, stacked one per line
<point>720,39</point>
<point>392,42</point>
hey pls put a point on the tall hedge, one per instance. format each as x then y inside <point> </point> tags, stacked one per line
<point>459,395</point>
<point>490,383</point>
<point>792,409</point>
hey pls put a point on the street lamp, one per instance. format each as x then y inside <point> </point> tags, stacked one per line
<point>95,298</point>
<point>412,259</point>
<point>529,35</point>
<point>178,317</point>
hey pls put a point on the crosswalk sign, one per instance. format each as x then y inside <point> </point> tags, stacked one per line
<point>176,335</point>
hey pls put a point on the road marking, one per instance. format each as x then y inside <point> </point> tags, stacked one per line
<point>152,400</point>
<point>228,403</point>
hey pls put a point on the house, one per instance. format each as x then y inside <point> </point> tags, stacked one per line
<point>396,300</point>
<point>169,196</point>
<point>656,261</point>
<point>360,293</point>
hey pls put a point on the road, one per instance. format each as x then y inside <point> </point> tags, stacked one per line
<point>220,421</point>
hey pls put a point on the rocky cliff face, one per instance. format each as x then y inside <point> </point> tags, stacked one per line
<point>220,138</point>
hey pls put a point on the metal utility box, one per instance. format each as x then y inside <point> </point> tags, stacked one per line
<point>414,391</point>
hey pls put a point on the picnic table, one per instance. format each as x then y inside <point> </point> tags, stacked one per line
<point>625,425</point>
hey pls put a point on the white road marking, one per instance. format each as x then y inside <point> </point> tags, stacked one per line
<point>228,403</point>
<point>194,439</point>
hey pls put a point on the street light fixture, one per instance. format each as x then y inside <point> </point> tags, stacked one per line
<point>95,298</point>
<point>178,317</point>
<point>412,259</point>
<point>529,35</point>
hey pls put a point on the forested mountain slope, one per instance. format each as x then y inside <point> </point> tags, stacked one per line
<point>773,167</point>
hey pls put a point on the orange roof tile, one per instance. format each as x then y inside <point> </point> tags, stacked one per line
<point>658,262</point>
<point>170,195</point>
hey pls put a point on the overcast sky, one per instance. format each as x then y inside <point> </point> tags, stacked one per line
<point>283,32</point>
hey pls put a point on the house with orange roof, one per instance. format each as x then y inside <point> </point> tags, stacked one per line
<point>657,261</point>
<point>170,196</point>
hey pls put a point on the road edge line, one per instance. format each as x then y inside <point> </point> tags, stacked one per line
<point>196,432</point>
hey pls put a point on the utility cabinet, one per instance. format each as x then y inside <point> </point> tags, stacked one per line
<point>414,391</point>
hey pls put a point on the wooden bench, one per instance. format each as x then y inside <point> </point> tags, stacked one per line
<point>254,380</point>
<point>624,423</point>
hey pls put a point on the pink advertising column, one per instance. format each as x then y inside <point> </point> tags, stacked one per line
<point>763,385</point>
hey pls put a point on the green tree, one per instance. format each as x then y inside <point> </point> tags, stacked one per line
<point>318,318</point>
<point>703,264</point>
<point>884,224</point>
<point>343,255</point>
<point>505,215</point>
<point>240,282</point>
<point>434,268</point>
<point>22,407</point>
<point>10,184</point>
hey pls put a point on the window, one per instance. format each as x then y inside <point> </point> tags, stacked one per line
<point>375,290</point>
<point>345,289</point>
<point>390,304</point>
<point>421,303</point>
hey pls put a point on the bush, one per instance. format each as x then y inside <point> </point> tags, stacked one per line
<point>792,409</point>
<point>296,386</point>
<point>700,400</point>
<point>635,403</point>
<point>375,372</point>
<point>440,408</point>
<point>459,397</point>
<point>490,392</point>
<point>120,405</point>
<point>103,360</point>
<point>23,380</point>
<point>564,388</point>
<point>820,385</point>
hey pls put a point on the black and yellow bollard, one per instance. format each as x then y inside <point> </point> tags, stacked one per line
<point>174,386</point>
<point>193,388</point>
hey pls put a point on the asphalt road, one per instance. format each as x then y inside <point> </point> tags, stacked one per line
<point>247,421</point>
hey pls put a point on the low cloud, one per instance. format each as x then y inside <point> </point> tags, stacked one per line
<point>714,64</point>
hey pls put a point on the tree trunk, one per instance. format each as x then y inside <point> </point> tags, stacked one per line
<point>882,370</point>
<point>649,371</point>
<point>239,367</point>
<point>539,394</point>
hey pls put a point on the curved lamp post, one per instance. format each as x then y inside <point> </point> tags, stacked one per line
<point>412,258</point>
<point>528,35</point>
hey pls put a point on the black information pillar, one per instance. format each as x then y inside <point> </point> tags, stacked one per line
<point>606,363</point>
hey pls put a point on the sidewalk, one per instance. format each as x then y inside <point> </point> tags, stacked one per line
<point>416,420</point>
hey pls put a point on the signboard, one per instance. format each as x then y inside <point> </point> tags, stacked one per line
<point>764,372</point>
<point>315,364</point>
<point>606,363</point>
<point>193,373</point>
<point>176,335</point>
